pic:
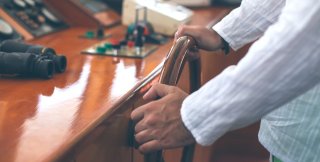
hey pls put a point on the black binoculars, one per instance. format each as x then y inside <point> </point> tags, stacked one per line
<point>20,58</point>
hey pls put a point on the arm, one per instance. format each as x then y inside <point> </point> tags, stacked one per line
<point>243,25</point>
<point>280,66</point>
<point>249,21</point>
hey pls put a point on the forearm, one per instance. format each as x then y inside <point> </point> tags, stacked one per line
<point>249,21</point>
<point>280,66</point>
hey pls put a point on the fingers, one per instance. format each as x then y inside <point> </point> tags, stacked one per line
<point>138,113</point>
<point>148,138</point>
<point>155,120</point>
<point>179,32</point>
<point>187,30</point>
<point>144,136</point>
<point>140,126</point>
<point>150,146</point>
<point>182,30</point>
<point>157,91</point>
<point>151,120</point>
<point>205,38</point>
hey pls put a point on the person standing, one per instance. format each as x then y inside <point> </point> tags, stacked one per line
<point>277,81</point>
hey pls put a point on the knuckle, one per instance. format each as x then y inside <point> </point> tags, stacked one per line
<point>156,86</point>
<point>133,115</point>
<point>138,127</point>
<point>165,143</point>
<point>172,89</point>
<point>182,28</point>
<point>157,134</point>
<point>143,136</point>
<point>151,120</point>
<point>139,137</point>
<point>149,147</point>
<point>143,149</point>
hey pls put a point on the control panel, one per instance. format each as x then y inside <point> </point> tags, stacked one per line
<point>120,49</point>
<point>7,32</point>
<point>88,13</point>
<point>31,18</point>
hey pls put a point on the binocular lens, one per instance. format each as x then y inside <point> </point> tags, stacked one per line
<point>44,69</point>
<point>60,63</point>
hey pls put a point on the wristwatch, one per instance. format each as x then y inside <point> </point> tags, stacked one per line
<point>225,47</point>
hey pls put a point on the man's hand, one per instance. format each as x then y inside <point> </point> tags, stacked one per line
<point>206,39</point>
<point>159,124</point>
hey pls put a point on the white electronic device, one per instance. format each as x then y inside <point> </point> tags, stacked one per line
<point>194,3</point>
<point>164,16</point>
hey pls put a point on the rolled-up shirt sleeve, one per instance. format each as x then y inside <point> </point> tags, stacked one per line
<point>280,66</point>
<point>249,21</point>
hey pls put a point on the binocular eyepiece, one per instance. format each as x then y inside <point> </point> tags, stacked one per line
<point>25,64</point>
<point>19,58</point>
<point>60,61</point>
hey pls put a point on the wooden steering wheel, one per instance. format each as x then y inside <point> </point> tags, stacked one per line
<point>170,74</point>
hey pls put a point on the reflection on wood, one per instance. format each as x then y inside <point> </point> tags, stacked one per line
<point>83,114</point>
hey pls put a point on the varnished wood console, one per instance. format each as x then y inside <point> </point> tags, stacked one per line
<point>83,114</point>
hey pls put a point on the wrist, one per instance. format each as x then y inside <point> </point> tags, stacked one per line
<point>223,44</point>
<point>225,47</point>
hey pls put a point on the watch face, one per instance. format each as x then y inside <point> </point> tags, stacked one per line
<point>5,29</point>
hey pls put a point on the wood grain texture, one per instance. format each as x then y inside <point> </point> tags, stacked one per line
<point>42,119</point>
<point>79,115</point>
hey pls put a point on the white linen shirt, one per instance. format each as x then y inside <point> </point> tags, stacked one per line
<point>279,67</point>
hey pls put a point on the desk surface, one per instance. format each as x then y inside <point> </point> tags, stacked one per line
<point>40,119</point>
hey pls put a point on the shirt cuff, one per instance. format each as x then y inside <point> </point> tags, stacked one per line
<point>195,123</point>
<point>219,29</point>
<point>188,124</point>
<point>202,113</point>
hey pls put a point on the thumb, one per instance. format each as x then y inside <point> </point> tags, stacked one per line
<point>157,91</point>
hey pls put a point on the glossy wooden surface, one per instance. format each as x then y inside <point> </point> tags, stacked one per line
<point>40,120</point>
